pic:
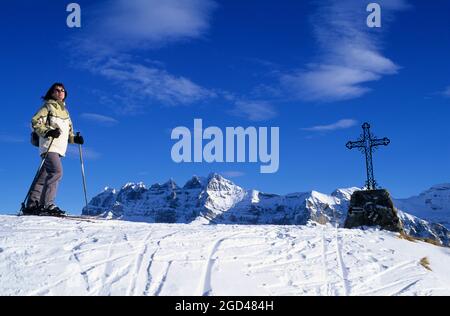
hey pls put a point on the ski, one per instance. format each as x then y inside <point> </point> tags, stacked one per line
<point>91,219</point>
<point>83,218</point>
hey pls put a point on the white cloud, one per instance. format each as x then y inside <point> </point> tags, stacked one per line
<point>151,82</point>
<point>328,83</point>
<point>98,118</point>
<point>341,124</point>
<point>350,53</point>
<point>254,110</point>
<point>119,28</point>
<point>122,24</point>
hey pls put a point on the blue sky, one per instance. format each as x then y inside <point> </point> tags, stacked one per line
<point>137,69</point>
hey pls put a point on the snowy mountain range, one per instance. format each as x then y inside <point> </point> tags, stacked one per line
<point>432,205</point>
<point>217,200</point>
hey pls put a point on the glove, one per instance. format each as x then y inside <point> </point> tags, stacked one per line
<point>78,139</point>
<point>54,133</point>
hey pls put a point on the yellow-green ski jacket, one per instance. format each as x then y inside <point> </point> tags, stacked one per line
<point>58,117</point>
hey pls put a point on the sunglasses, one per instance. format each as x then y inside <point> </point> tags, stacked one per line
<point>59,90</point>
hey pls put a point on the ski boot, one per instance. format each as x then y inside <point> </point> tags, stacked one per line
<point>52,210</point>
<point>32,209</point>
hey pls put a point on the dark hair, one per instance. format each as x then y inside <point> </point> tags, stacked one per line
<point>49,94</point>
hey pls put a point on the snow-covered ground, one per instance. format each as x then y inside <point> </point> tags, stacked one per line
<point>51,256</point>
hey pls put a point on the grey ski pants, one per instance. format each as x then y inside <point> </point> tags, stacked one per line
<point>46,186</point>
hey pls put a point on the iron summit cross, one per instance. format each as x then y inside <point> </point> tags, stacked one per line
<point>366,144</point>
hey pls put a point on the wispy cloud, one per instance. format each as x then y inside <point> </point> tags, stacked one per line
<point>120,25</point>
<point>98,118</point>
<point>121,103</point>
<point>10,139</point>
<point>233,174</point>
<point>446,92</point>
<point>117,29</point>
<point>254,110</point>
<point>150,82</point>
<point>341,124</point>
<point>88,153</point>
<point>350,53</point>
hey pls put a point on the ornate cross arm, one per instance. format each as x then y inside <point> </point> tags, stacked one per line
<point>358,144</point>
<point>378,142</point>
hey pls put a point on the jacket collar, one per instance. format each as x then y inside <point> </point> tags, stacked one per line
<point>60,104</point>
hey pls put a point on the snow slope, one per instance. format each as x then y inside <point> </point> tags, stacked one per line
<point>52,256</point>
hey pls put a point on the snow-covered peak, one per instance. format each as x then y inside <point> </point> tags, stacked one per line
<point>171,185</point>
<point>298,194</point>
<point>128,185</point>
<point>222,194</point>
<point>323,197</point>
<point>109,190</point>
<point>432,204</point>
<point>195,183</point>
<point>134,186</point>
<point>218,183</point>
<point>436,191</point>
<point>254,194</point>
<point>440,187</point>
<point>345,193</point>
<point>216,176</point>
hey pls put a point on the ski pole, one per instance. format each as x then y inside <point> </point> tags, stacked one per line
<point>36,177</point>
<point>83,175</point>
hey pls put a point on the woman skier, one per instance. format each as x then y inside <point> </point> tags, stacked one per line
<point>53,125</point>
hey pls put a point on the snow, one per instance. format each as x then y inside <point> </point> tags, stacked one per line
<point>432,205</point>
<point>222,194</point>
<point>52,256</point>
<point>217,200</point>
<point>132,186</point>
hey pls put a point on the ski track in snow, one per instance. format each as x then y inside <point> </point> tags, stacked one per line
<point>160,283</point>
<point>324,264</point>
<point>342,267</point>
<point>137,266</point>
<point>107,266</point>
<point>59,257</point>
<point>205,284</point>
